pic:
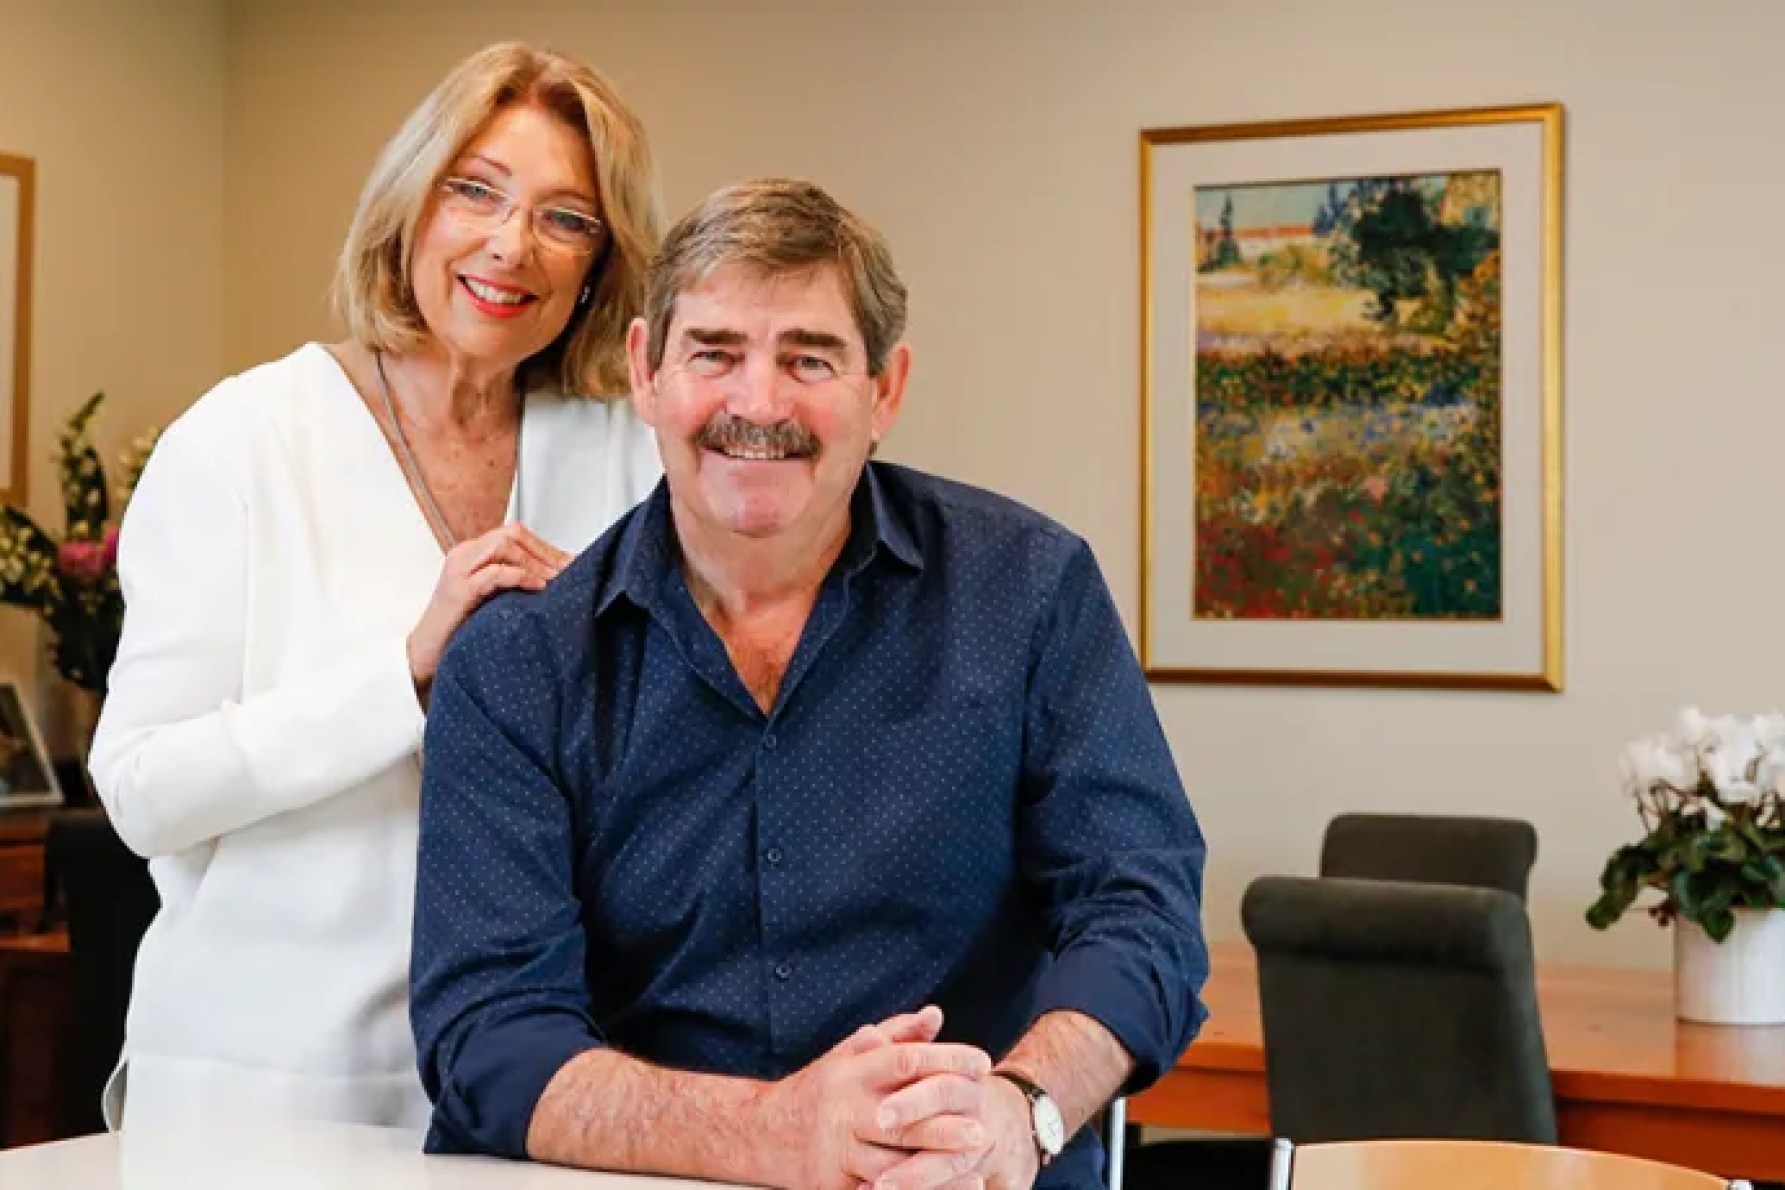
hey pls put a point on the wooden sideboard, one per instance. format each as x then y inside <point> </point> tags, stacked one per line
<point>37,1025</point>
<point>38,1100</point>
<point>22,836</point>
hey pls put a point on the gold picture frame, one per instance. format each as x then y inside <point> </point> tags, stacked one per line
<point>27,773</point>
<point>1265,303</point>
<point>18,199</point>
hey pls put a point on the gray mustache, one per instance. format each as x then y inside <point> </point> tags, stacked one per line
<point>726,432</point>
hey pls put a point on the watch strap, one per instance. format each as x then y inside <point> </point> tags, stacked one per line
<point>1035,1093</point>
<point>1024,1083</point>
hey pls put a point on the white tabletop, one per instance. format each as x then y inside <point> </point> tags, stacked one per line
<point>297,1157</point>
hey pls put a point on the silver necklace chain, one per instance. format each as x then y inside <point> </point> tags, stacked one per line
<point>406,456</point>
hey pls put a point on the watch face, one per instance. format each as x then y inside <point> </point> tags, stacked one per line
<point>1050,1130</point>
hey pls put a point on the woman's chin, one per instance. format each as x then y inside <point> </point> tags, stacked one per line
<point>498,346</point>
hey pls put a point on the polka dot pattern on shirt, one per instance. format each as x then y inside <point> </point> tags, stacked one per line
<point>961,796</point>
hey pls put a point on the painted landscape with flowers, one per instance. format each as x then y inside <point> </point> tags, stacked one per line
<point>1348,398</point>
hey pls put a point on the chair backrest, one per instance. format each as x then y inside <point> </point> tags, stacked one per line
<point>111,900</point>
<point>1399,1010</point>
<point>1478,1165</point>
<point>1434,849</point>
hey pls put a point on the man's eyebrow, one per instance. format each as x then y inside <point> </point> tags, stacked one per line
<point>714,337</point>
<point>818,340</point>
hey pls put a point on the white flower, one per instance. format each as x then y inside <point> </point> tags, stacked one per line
<point>1659,761</point>
<point>1730,755</point>
<point>1692,728</point>
<point>1769,776</point>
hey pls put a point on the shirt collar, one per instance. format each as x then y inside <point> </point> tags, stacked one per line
<point>644,556</point>
<point>875,522</point>
<point>647,554</point>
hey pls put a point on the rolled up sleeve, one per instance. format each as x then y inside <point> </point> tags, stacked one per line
<point>499,996</point>
<point>1107,836</point>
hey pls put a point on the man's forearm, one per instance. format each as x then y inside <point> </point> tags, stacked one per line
<point>1078,1061</point>
<point>607,1111</point>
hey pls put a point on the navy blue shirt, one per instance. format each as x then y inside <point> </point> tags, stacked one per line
<point>961,796</point>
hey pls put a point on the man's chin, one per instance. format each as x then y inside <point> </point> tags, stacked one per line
<point>755,518</point>
<point>759,509</point>
<point>757,524</point>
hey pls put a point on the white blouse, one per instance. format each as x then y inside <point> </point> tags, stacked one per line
<point>261,737</point>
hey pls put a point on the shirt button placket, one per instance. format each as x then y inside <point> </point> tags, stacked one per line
<point>773,857</point>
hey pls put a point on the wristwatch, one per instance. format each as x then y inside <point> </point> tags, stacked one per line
<point>1044,1116</point>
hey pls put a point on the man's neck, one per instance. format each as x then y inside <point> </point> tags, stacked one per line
<point>737,579</point>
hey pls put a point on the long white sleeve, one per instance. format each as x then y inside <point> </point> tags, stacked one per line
<point>180,756</point>
<point>261,734</point>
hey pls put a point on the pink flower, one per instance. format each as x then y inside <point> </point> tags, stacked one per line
<point>111,546</point>
<point>86,561</point>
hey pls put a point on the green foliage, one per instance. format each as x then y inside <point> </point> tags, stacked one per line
<point>1705,858</point>
<point>1225,252</point>
<point>1397,247</point>
<point>72,581</point>
<point>1224,255</point>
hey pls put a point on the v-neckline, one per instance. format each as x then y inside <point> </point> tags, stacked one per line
<point>393,466</point>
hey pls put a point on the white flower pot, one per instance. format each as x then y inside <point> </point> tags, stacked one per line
<point>1740,981</point>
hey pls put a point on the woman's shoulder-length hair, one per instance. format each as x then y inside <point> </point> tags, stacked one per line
<point>373,287</point>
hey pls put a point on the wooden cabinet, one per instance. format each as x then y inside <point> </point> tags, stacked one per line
<point>22,834</point>
<point>37,1040</point>
<point>37,1025</point>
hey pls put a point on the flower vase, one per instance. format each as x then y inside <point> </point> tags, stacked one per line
<point>1739,981</point>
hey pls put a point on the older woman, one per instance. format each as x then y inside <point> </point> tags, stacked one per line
<point>303,544</point>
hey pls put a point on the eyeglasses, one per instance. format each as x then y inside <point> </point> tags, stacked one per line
<point>481,206</point>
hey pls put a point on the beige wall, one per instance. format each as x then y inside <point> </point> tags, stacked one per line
<point>121,105</point>
<point>996,144</point>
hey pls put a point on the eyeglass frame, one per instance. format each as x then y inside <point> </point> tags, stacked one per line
<point>508,205</point>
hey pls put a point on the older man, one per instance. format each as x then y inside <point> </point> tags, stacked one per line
<point>815,827</point>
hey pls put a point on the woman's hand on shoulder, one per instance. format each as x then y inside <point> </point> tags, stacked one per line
<point>509,557</point>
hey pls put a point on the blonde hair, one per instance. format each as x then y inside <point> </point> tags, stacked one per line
<point>373,289</point>
<point>780,225</point>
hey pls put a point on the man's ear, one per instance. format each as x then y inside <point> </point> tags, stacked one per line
<point>889,390</point>
<point>638,369</point>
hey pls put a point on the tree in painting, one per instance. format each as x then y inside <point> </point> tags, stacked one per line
<point>1348,399</point>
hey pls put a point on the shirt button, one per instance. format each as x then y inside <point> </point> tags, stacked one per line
<point>783,971</point>
<point>768,741</point>
<point>772,855</point>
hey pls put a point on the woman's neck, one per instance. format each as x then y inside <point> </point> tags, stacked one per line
<point>442,392</point>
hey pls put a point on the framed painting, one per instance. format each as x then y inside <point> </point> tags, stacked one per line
<point>1351,388</point>
<point>17,196</point>
<point>27,776</point>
